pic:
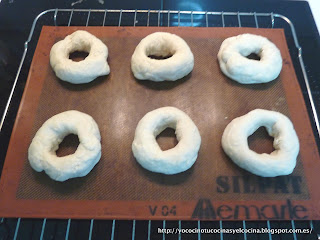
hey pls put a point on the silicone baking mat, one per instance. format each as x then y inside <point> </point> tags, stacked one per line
<point>117,187</point>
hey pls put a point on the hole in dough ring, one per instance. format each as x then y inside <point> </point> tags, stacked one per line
<point>162,44</point>
<point>175,160</point>
<point>234,63</point>
<point>42,150</point>
<point>93,66</point>
<point>282,161</point>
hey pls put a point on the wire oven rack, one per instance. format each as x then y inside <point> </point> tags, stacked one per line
<point>90,229</point>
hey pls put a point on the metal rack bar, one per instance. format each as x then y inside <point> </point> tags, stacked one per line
<point>113,227</point>
<point>148,18</point>
<point>268,225</point>
<point>239,20</point>
<point>311,225</point>
<point>68,229</point>
<point>135,18</point>
<point>160,11</point>
<point>122,11</point>
<point>304,72</point>
<point>133,229</point>
<point>120,16</point>
<point>294,228</point>
<point>238,15</point>
<point>91,228</point>
<point>55,16</point>
<point>256,20</point>
<point>312,228</point>
<point>159,18</point>
<point>104,17</point>
<point>222,18</point>
<point>191,18</point>
<point>244,227</point>
<point>221,227</point>
<point>71,14</point>
<point>17,229</point>
<point>163,227</point>
<point>207,24</point>
<point>42,228</point>
<point>89,13</point>
<point>149,229</point>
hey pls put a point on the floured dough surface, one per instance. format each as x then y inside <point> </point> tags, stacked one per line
<point>147,151</point>
<point>281,161</point>
<point>93,66</point>
<point>42,150</point>
<point>162,44</point>
<point>234,63</point>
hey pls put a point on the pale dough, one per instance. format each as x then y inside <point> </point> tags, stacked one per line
<point>42,150</point>
<point>234,63</point>
<point>175,160</point>
<point>162,44</point>
<point>93,66</point>
<point>281,161</point>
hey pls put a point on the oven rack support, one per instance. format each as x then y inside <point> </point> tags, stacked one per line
<point>163,18</point>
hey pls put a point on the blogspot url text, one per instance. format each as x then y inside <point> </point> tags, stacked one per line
<point>233,231</point>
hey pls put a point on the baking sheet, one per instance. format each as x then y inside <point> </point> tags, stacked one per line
<point>117,188</point>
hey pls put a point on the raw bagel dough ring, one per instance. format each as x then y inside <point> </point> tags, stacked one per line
<point>235,65</point>
<point>282,161</point>
<point>162,44</point>
<point>42,150</point>
<point>175,160</point>
<point>93,66</point>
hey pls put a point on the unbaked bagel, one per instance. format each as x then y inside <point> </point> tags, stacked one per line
<point>175,160</point>
<point>42,150</point>
<point>162,44</point>
<point>93,66</point>
<point>281,161</point>
<point>234,63</point>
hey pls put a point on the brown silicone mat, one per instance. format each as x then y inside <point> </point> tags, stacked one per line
<point>118,188</point>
